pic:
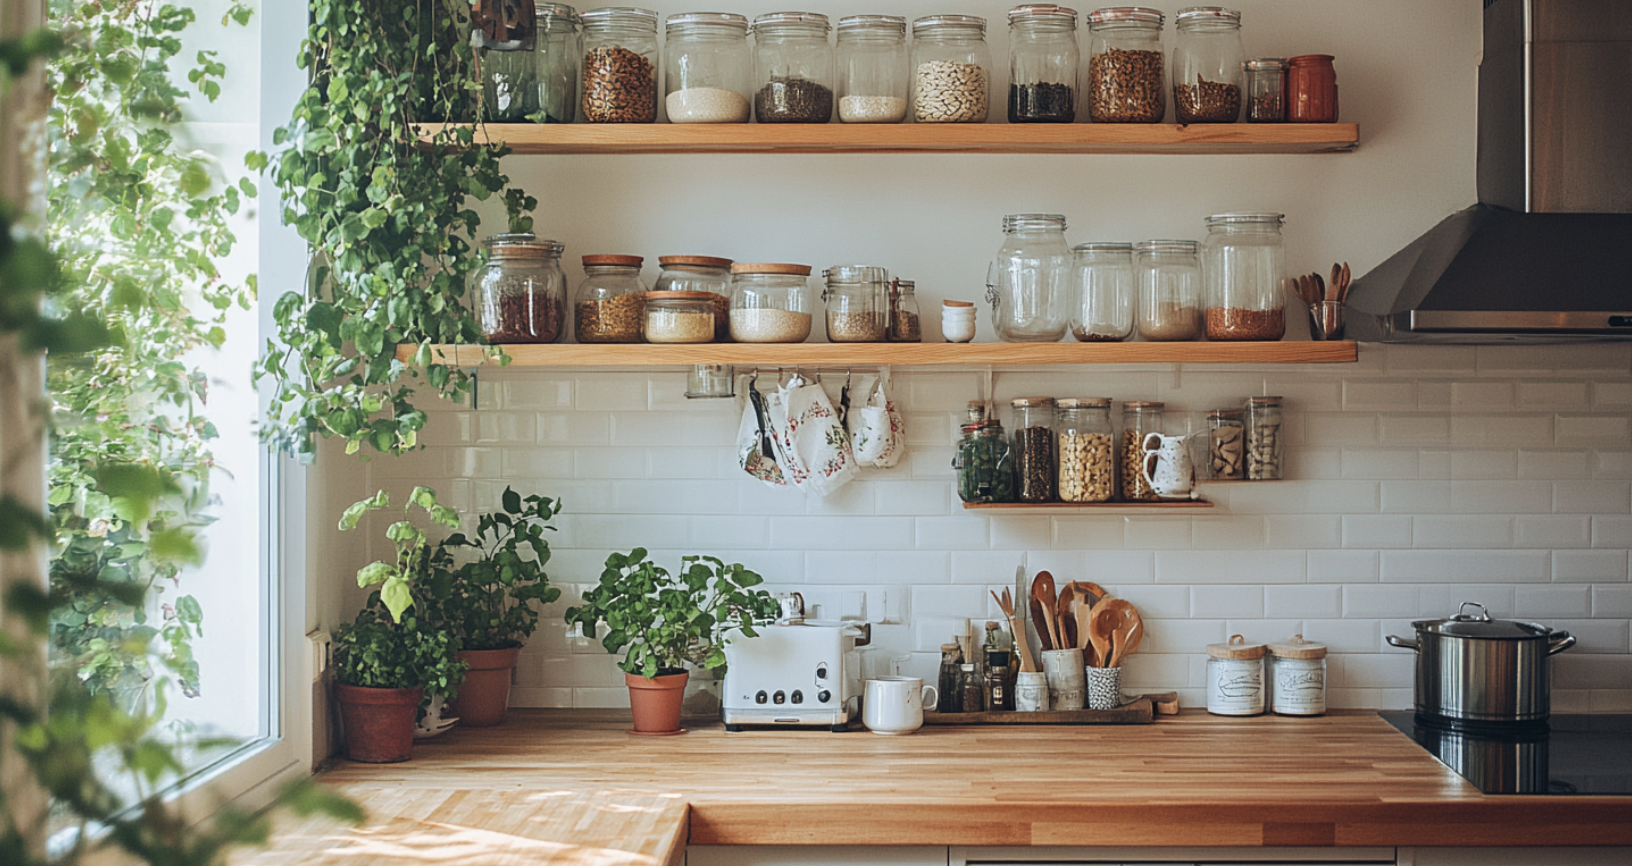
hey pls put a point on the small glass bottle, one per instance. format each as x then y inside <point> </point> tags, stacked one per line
<point>505,56</point>
<point>1263,439</point>
<point>520,292</point>
<point>1226,445</point>
<point>770,302</point>
<point>793,68</point>
<point>852,297</point>
<point>1167,276</point>
<point>1029,284</point>
<point>1043,59</point>
<point>946,683</point>
<point>1235,678</point>
<point>1207,61</point>
<point>985,463</point>
<point>708,69</point>
<point>1311,89</point>
<point>951,69</point>
<point>872,66</point>
<point>700,274</point>
<point>971,688</point>
<point>1034,464</point>
<point>1266,90</point>
<point>620,65</point>
<point>610,300</point>
<point>999,685</point>
<point>1126,69</point>
<point>1243,267</point>
<point>1297,677</point>
<point>1103,286</point>
<point>1140,418</point>
<point>557,50</point>
<point>1086,450</point>
<point>905,324</point>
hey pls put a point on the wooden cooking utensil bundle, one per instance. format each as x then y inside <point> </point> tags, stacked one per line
<point>1082,615</point>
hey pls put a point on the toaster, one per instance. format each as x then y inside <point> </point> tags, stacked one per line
<point>794,673</point>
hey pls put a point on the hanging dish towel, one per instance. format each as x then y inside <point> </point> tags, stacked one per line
<point>812,447</point>
<point>756,453</point>
<point>878,436</point>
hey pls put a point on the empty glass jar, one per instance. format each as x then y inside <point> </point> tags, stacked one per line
<point>610,299</point>
<point>1167,280</point>
<point>507,69</point>
<point>1029,284</point>
<point>872,67</point>
<point>1207,61</point>
<point>1102,277</point>
<point>1126,67</point>
<point>855,297</point>
<point>519,292</point>
<point>793,68</point>
<point>556,52</point>
<point>620,65</point>
<point>951,69</point>
<point>770,302</point>
<point>1043,59</point>
<point>700,274</point>
<point>708,71</point>
<point>1266,90</point>
<point>1244,269</point>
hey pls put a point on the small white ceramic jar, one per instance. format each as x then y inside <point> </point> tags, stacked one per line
<point>1297,677</point>
<point>957,321</point>
<point>1235,678</point>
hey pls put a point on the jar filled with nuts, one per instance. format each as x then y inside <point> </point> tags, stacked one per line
<point>556,53</point>
<point>1126,68</point>
<point>708,70</point>
<point>519,292</point>
<point>1263,438</point>
<point>1167,280</point>
<point>1140,418</point>
<point>951,69</point>
<point>1043,58</point>
<point>620,65</point>
<point>1207,65</point>
<point>1243,268</point>
<point>1034,464</point>
<point>855,298</point>
<point>679,317</point>
<point>872,69</point>
<point>610,299</point>
<point>1087,470</point>
<point>985,463</point>
<point>1103,273</point>
<point>770,302</point>
<point>1226,445</point>
<point>700,274</point>
<point>905,326</point>
<point>793,68</point>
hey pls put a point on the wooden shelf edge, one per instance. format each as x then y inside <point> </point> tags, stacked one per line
<point>1188,504</point>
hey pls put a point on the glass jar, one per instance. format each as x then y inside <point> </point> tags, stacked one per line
<point>1207,61</point>
<point>1125,66</point>
<point>1140,418</point>
<point>985,463</point>
<point>770,303</point>
<point>610,299</point>
<point>1266,90</point>
<point>1226,445</point>
<point>708,70</point>
<point>872,69</point>
<point>951,69</point>
<point>1297,677</point>
<point>905,324</point>
<point>1029,285</point>
<point>700,274</point>
<point>679,317</point>
<point>972,688</point>
<point>556,52</point>
<point>1167,280</point>
<point>999,683</point>
<point>1034,465</point>
<point>1087,469</point>
<point>620,65</point>
<point>1043,59</point>
<point>505,54</point>
<point>793,66</point>
<point>1103,286</point>
<point>519,292</point>
<point>1243,268</point>
<point>1311,89</point>
<point>853,297</point>
<point>1235,677</point>
<point>706,381</point>
<point>946,683</point>
<point>1263,438</point>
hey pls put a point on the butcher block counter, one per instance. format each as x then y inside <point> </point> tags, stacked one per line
<point>564,787</point>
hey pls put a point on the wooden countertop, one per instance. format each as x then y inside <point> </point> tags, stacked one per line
<point>570,788</point>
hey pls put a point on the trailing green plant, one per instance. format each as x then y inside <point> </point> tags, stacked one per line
<point>390,216</point>
<point>668,620</point>
<point>488,601</point>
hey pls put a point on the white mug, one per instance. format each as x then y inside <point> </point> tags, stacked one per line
<point>895,705</point>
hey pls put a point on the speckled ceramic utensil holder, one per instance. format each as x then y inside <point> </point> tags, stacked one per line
<point>1104,688</point>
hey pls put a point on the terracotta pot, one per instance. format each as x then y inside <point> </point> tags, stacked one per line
<point>379,723</point>
<point>485,693</point>
<point>656,702</point>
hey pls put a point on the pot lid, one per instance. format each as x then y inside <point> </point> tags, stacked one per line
<point>1237,648</point>
<point>1480,625</point>
<point>1298,648</point>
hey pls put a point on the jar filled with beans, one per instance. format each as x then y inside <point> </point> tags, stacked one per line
<point>1263,439</point>
<point>1087,470</point>
<point>1126,71</point>
<point>700,274</point>
<point>951,69</point>
<point>620,65</point>
<point>1034,454</point>
<point>1140,418</point>
<point>1226,445</point>
<point>610,300</point>
<point>519,291</point>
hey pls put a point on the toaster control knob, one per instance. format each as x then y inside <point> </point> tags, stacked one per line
<point>779,698</point>
<point>798,696</point>
<point>761,697</point>
<point>821,672</point>
<point>824,696</point>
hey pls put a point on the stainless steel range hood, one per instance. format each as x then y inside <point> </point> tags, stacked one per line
<point>1544,254</point>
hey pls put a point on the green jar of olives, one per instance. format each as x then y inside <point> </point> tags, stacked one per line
<point>985,463</point>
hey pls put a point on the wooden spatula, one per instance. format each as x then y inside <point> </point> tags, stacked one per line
<point>1042,594</point>
<point>1006,604</point>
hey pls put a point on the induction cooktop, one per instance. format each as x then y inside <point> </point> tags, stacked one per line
<point>1572,754</point>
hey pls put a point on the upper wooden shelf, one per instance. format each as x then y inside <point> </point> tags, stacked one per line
<point>899,354</point>
<point>587,138</point>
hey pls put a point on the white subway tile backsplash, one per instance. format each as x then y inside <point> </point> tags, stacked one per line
<point>1415,430</point>
<point>1533,360</point>
<point>1589,565</point>
<point>1430,360</point>
<point>1550,465</point>
<point>1545,530</point>
<point>1502,431</point>
<point>1218,566</point>
<point>1591,497</point>
<point>1371,602</point>
<point>1534,602</point>
<point>1480,394</point>
<point>1463,566</point>
<point>1342,566</point>
<point>1333,428</point>
<point>1455,531</point>
<point>1022,532</point>
<point>1156,533</point>
<point>1112,567</point>
<point>1344,635</point>
<point>1293,601</point>
<point>1612,465</point>
<point>1593,636</point>
<point>1500,497</point>
<point>1616,395</point>
<point>1594,431</point>
<point>1379,395</point>
<point>1310,531</point>
<point>1245,532</point>
<point>1611,531</point>
<point>1484,464</point>
<point>952,533</point>
<point>1552,395</point>
<point>1182,636</point>
<point>1374,531</point>
<point>1439,601</point>
<point>1379,463</point>
<point>914,497</point>
<point>1612,602</point>
<point>1226,602</point>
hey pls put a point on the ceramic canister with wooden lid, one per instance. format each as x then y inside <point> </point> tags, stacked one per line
<point>1235,677</point>
<point>1297,677</point>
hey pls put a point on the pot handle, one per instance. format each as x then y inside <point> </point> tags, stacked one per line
<point>1559,641</point>
<point>1402,643</point>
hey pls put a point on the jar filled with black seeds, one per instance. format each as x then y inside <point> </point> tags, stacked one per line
<point>793,67</point>
<point>1266,90</point>
<point>1042,64</point>
<point>1034,454</point>
<point>620,65</point>
<point>1207,66</point>
<point>1126,68</point>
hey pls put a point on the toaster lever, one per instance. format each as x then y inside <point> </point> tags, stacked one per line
<point>865,638</point>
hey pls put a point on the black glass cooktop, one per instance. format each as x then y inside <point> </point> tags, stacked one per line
<point>1572,754</point>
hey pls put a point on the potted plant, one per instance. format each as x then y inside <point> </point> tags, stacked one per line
<point>663,621</point>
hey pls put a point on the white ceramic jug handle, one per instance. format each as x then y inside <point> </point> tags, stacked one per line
<point>931,696</point>
<point>1151,455</point>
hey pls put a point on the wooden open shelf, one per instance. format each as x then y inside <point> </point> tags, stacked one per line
<point>1184,505</point>
<point>897,354</point>
<point>592,138</point>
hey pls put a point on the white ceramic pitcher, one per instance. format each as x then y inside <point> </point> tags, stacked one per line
<point>1167,467</point>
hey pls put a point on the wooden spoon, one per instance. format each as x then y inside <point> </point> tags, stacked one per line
<point>1114,619</point>
<point>1069,602</point>
<point>1101,626</point>
<point>1128,637</point>
<point>1006,604</point>
<point>1085,635</point>
<point>1040,619</point>
<point>1042,590</point>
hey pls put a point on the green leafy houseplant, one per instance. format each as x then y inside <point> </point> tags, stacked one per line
<point>488,603</point>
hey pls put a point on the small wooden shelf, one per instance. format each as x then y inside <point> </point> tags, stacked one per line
<point>1185,505</point>
<point>897,354</point>
<point>1170,138</point>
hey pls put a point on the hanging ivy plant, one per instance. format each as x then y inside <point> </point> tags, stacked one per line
<point>389,214</point>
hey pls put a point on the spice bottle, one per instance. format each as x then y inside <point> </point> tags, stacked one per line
<point>999,684</point>
<point>1029,284</point>
<point>1126,68</point>
<point>793,68</point>
<point>1167,277</point>
<point>1266,90</point>
<point>985,463</point>
<point>1102,274</point>
<point>1311,89</point>
<point>1235,677</point>
<point>1297,677</point>
<point>1034,463</point>
<point>1226,445</point>
<point>950,700</point>
<point>951,69</point>
<point>905,325</point>
<point>1140,418</point>
<point>679,317</point>
<point>1043,60</point>
<point>556,53</point>
<point>971,687</point>
<point>872,69</point>
<point>610,300</point>
<point>1207,61</point>
<point>1243,268</point>
<point>1263,438</point>
<point>620,65</point>
<point>520,291</point>
<point>700,274</point>
<point>855,297</point>
<point>708,69</point>
<point>505,57</point>
<point>770,302</point>
<point>1087,467</point>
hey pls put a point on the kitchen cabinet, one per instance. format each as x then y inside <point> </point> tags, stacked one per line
<point>1515,856</point>
<point>851,855</point>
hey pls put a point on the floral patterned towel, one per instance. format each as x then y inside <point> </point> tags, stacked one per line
<point>876,431</point>
<point>752,435</point>
<point>812,447</point>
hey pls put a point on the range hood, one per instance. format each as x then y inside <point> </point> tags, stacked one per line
<point>1546,254</point>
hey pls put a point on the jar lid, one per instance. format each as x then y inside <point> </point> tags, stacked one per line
<point>1023,221</point>
<point>770,268</point>
<point>1298,648</point>
<point>1046,11</point>
<point>1103,247</point>
<point>1142,404</point>
<point>709,19</point>
<point>643,18</point>
<point>1311,60</point>
<point>1236,648</point>
<point>679,296</point>
<point>948,647</point>
<point>780,19</point>
<point>905,285</point>
<point>867,22</point>
<point>969,667</point>
<point>1246,218</point>
<point>856,274</point>
<point>694,261</point>
<point>613,261</point>
<point>1083,402</point>
<point>957,305</point>
<point>522,245</point>
<point>1264,401</point>
<point>546,11</point>
<point>963,21</point>
<point>1226,415</point>
<point>1031,402</point>
<point>1207,13</point>
<point>1166,246</point>
<point>1266,64</point>
<point>1127,15</point>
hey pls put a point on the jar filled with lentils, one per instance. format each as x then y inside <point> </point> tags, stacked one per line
<point>793,68</point>
<point>700,274</point>
<point>872,69</point>
<point>855,298</point>
<point>951,69</point>
<point>1140,418</point>
<point>557,49</point>
<point>708,71</point>
<point>1243,269</point>
<point>770,302</point>
<point>620,65</point>
<point>1034,464</point>
<point>905,325</point>
<point>610,300</point>
<point>1207,61</point>
<point>1087,449</point>
<point>1043,59</point>
<point>1126,68</point>
<point>519,292</point>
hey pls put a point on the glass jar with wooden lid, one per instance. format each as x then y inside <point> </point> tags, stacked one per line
<point>700,274</point>
<point>610,298</point>
<point>770,302</point>
<point>679,317</point>
<point>519,292</point>
<point>1086,449</point>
